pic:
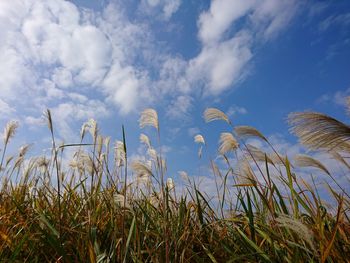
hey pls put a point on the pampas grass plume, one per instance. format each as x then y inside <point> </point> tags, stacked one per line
<point>9,131</point>
<point>227,143</point>
<point>212,114</point>
<point>303,160</point>
<point>145,140</point>
<point>149,117</point>
<point>248,131</point>
<point>199,139</point>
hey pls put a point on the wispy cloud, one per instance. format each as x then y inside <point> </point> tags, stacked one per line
<point>342,20</point>
<point>338,97</point>
<point>179,107</point>
<point>166,8</point>
<point>5,109</point>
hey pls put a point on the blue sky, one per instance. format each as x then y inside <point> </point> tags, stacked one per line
<point>108,60</point>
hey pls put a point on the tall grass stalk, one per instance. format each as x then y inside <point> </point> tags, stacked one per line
<point>267,209</point>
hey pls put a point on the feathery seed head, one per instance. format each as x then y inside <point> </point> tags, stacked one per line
<point>143,179</point>
<point>199,139</point>
<point>144,139</point>
<point>170,184</point>
<point>91,126</point>
<point>47,115</point>
<point>152,153</point>
<point>257,154</point>
<point>149,117</point>
<point>141,168</point>
<point>298,227</point>
<point>247,176</point>
<point>23,150</point>
<point>248,131</point>
<point>119,153</point>
<point>99,144</point>
<point>42,161</point>
<point>212,114</point>
<point>227,143</point>
<point>9,131</point>
<point>303,160</point>
<point>184,175</point>
<point>319,131</point>
<point>107,141</point>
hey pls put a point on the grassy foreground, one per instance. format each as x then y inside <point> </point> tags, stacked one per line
<point>88,210</point>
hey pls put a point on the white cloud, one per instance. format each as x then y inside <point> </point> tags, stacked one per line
<point>234,110</point>
<point>62,77</point>
<point>125,87</point>
<point>338,98</point>
<point>170,7</point>
<point>51,51</point>
<point>179,107</point>
<point>193,131</point>
<point>65,116</point>
<point>5,109</point>
<point>271,16</point>
<point>223,60</point>
<point>56,55</point>
<point>167,7</point>
<point>34,122</point>
<point>172,77</point>
<point>221,65</point>
<point>219,17</point>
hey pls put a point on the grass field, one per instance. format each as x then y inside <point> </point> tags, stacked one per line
<point>88,210</point>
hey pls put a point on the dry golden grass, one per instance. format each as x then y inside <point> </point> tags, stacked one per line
<point>93,210</point>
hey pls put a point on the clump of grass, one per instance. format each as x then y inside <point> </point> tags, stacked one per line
<point>95,209</point>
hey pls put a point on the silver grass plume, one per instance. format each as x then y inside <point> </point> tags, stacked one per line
<point>257,154</point>
<point>23,150</point>
<point>143,179</point>
<point>149,117</point>
<point>106,142</point>
<point>320,132</point>
<point>246,175</point>
<point>227,143</point>
<point>303,160</point>
<point>82,162</point>
<point>42,162</point>
<point>119,153</point>
<point>199,139</point>
<point>297,227</point>
<point>170,184</point>
<point>141,168</point>
<point>277,158</point>
<point>91,126</point>
<point>99,144</point>
<point>145,140</point>
<point>8,160</point>
<point>337,156</point>
<point>152,153</point>
<point>248,131</point>
<point>213,114</point>
<point>47,115</point>
<point>9,131</point>
<point>184,175</point>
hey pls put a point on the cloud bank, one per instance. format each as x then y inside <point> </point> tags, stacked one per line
<point>83,63</point>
